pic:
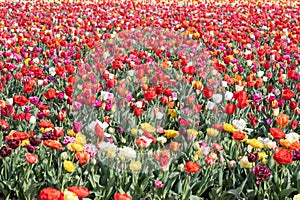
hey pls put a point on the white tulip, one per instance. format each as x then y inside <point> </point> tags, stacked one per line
<point>32,120</point>
<point>260,74</point>
<point>228,95</point>
<point>210,105</point>
<point>292,137</point>
<point>224,83</point>
<point>10,101</point>
<point>276,112</point>
<point>52,71</point>
<point>217,98</point>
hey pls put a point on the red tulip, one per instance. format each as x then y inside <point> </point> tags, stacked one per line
<point>99,131</point>
<point>230,108</point>
<point>288,94</point>
<point>69,90</point>
<point>61,115</point>
<point>294,124</point>
<point>149,95</point>
<point>192,167</point>
<point>51,94</point>
<point>81,192</point>
<point>51,194</point>
<point>138,111</point>
<point>20,100</point>
<point>31,158</point>
<point>119,196</point>
<point>283,156</point>
<point>208,92</point>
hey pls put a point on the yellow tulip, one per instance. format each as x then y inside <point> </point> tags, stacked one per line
<point>75,147</point>
<point>255,143</point>
<point>134,131</point>
<point>69,166</point>
<point>172,112</point>
<point>71,132</point>
<point>135,165</point>
<point>229,128</point>
<point>244,163</point>
<point>171,133</point>
<point>111,153</point>
<point>25,142</point>
<point>80,139</point>
<point>147,127</point>
<point>192,131</point>
<point>27,62</point>
<point>212,132</point>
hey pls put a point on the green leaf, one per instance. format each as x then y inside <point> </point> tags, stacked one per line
<point>193,197</point>
<point>298,181</point>
<point>179,187</point>
<point>286,192</point>
<point>236,192</point>
<point>275,196</point>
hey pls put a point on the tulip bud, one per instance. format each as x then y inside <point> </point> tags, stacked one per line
<point>293,105</point>
<point>294,124</point>
<point>123,140</point>
<point>181,167</point>
<point>298,87</point>
<point>93,161</point>
<point>64,155</point>
<point>231,164</point>
<point>276,112</point>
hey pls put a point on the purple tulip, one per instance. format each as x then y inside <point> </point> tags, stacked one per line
<point>68,140</point>
<point>27,108</point>
<point>31,148</point>
<point>129,97</point>
<point>268,121</point>
<point>296,155</point>
<point>120,129</point>
<point>77,126</point>
<point>5,151</point>
<point>261,173</point>
<point>91,149</point>
<point>35,141</point>
<point>48,135</point>
<point>158,184</point>
<point>108,106</point>
<point>252,157</point>
<point>13,143</point>
<point>256,97</point>
<point>34,100</point>
<point>77,105</point>
<point>280,102</point>
<point>98,103</point>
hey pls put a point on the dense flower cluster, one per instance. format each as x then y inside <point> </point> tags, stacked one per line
<point>177,87</point>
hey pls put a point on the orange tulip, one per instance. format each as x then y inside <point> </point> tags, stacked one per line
<point>175,146</point>
<point>2,104</point>
<point>285,143</point>
<point>282,120</point>
<point>82,157</point>
<point>31,158</point>
<point>197,85</point>
<point>53,144</point>
<point>295,146</point>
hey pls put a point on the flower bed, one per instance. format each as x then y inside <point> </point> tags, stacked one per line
<point>144,100</point>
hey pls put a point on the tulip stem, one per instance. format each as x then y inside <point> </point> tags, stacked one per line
<point>5,169</point>
<point>27,174</point>
<point>50,160</point>
<point>1,136</point>
<point>63,182</point>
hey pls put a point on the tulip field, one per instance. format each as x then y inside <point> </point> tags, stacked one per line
<point>150,100</point>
